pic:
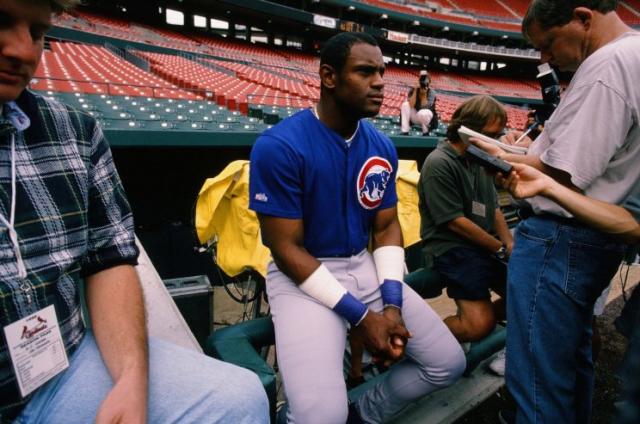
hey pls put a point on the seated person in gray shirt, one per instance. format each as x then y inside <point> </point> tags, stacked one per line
<point>460,220</point>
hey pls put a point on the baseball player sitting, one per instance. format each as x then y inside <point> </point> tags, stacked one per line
<point>323,183</point>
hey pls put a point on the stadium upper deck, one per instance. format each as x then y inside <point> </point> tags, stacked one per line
<point>502,15</point>
<point>234,74</point>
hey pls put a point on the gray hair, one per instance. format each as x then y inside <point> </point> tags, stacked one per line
<point>551,13</point>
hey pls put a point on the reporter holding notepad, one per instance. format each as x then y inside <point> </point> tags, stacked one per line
<point>560,265</point>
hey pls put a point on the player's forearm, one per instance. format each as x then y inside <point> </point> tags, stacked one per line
<point>603,216</point>
<point>471,232</point>
<point>390,235</point>
<point>115,302</point>
<point>294,261</point>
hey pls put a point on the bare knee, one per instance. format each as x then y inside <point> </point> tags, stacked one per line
<point>474,321</point>
<point>480,328</point>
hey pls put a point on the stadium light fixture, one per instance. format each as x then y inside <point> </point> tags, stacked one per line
<point>415,23</point>
<point>351,8</point>
<point>474,33</point>
<point>384,16</point>
<point>445,28</point>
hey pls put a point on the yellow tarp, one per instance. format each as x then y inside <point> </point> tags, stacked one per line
<point>222,212</point>
<point>407,189</point>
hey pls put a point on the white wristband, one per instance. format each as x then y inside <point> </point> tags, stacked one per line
<point>389,262</point>
<point>323,286</point>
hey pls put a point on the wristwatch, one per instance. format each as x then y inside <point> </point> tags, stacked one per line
<point>501,253</point>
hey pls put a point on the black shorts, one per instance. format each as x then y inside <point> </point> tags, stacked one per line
<point>469,273</point>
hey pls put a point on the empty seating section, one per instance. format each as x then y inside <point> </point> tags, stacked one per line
<point>634,4</point>
<point>505,15</point>
<point>240,51</point>
<point>440,3</point>
<point>503,26</point>
<point>70,67</point>
<point>629,11</point>
<point>484,8</point>
<point>518,6</point>
<point>127,112</point>
<point>392,6</point>
<point>228,90</point>
<point>460,19</point>
<point>234,76</point>
<point>291,85</point>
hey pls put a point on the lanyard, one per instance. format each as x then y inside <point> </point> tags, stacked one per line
<point>13,235</point>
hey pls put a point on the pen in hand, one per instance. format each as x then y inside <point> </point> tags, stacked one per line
<point>524,134</point>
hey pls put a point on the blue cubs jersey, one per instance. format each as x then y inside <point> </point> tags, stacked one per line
<point>301,169</point>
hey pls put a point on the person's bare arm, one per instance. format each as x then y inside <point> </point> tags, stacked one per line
<point>411,98</point>
<point>285,238</point>
<point>116,307</point>
<point>526,181</point>
<point>502,230</point>
<point>386,228</point>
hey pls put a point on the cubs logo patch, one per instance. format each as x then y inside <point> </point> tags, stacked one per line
<point>372,181</point>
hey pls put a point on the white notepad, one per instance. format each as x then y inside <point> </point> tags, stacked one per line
<point>466,133</point>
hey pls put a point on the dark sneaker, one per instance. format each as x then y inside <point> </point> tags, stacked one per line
<point>507,416</point>
<point>353,417</point>
<point>353,382</point>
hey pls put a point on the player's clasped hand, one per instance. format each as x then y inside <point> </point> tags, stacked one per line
<point>384,335</point>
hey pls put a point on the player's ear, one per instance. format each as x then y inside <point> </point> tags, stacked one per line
<point>327,76</point>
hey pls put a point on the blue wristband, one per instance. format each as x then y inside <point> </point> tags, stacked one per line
<point>391,291</point>
<point>351,309</point>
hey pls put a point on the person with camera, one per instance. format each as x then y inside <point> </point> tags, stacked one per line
<point>465,236</point>
<point>559,266</point>
<point>420,107</point>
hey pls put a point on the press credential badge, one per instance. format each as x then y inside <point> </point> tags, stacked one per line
<point>479,209</point>
<point>36,349</point>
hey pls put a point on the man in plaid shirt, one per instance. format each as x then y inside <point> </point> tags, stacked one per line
<point>64,217</point>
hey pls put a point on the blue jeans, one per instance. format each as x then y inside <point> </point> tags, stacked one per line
<point>556,272</point>
<point>184,386</point>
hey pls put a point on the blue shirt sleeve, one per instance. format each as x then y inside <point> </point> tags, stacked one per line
<point>275,182</point>
<point>390,198</point>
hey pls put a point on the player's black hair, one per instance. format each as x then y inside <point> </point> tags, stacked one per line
<point>337,48</point>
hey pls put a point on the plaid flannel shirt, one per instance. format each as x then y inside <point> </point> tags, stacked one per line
<point>72,219</point>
